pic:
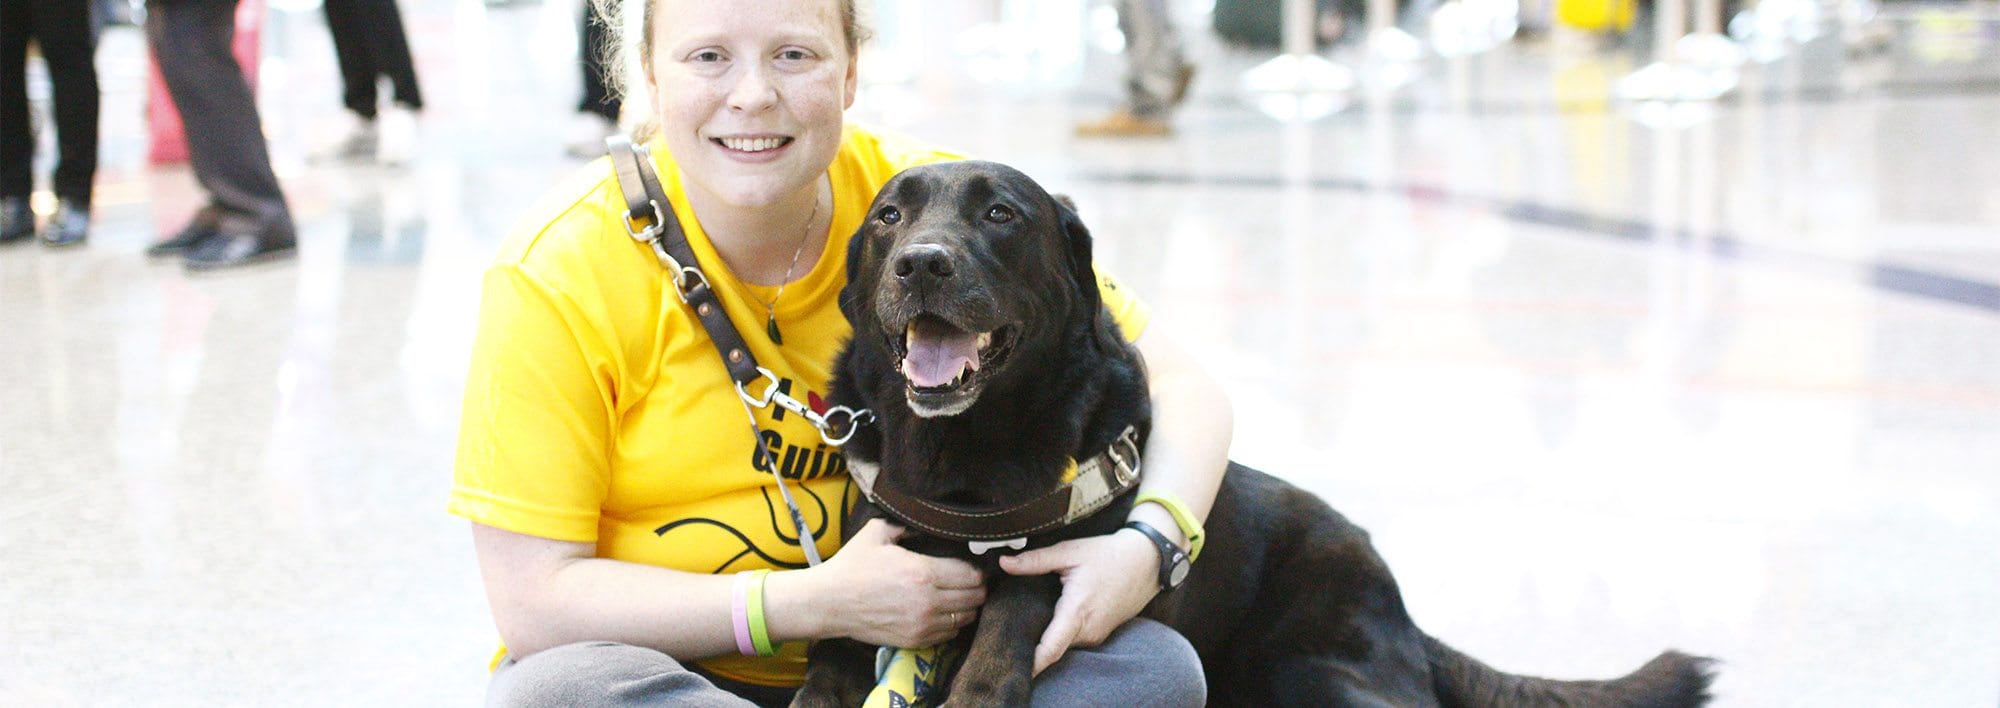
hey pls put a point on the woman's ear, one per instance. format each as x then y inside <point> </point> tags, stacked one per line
<point>852,82</point>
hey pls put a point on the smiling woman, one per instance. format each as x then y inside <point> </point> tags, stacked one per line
<point>632,532</point>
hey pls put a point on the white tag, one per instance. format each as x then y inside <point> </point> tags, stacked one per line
<point>979,548</point>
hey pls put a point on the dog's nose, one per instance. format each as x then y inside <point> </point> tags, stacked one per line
<point>923,259</point>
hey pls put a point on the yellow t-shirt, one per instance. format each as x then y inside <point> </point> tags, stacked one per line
<point>597,409</point>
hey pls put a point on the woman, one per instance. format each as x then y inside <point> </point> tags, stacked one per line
<point>613,486</point>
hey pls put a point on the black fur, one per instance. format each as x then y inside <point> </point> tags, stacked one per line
<point>1289,603</point>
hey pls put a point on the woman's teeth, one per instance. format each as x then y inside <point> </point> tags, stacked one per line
<point>753,144</point>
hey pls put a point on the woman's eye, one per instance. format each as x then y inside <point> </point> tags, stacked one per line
<point>706,55</point>
<point>999,214</point>
<point>794,55</point>
<point>889,215</point>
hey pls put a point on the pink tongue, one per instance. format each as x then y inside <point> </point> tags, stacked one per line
<point>935,358</point>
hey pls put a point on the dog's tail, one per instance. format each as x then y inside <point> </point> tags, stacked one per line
<point>1670,680</point>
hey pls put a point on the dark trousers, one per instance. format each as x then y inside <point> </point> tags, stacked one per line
<point>62,29</point>
<point>368,41</point>
<point>597,97</point>
<point>190,40</point>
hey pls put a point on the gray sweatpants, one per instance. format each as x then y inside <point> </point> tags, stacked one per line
<point>1144,663</point>
<point>1153,57</point>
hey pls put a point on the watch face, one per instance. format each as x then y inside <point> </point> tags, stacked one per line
<point>1179,572</point>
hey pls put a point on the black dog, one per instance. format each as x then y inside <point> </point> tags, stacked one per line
<point>982,347</point>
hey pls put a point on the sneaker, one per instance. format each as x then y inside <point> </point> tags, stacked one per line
<point>354,141</point>
<point>68,227</point>
<point>587,132</point>
<point>1124,124</point>
<point>17,221</point>
<point>396,137</point>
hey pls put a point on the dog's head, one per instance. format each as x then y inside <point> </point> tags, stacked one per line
<point>960,269</point>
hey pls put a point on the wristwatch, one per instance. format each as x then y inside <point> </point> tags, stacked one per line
<point>1173,560</point>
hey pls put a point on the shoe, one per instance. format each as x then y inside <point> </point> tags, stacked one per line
<point>232,246</point>
<point>1183,77</point>
<point>396,136</point>
<point>587,132</point>
<point>17,221</point>
<point>356,140</point>
<point>1124,124</point>
<point>69,227</point>
<point>201,227</point>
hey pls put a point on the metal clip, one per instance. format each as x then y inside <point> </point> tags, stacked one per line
<point>1127,470</point>
<point>685,277</point>
<point>821,422</point>
<point>650,232</point>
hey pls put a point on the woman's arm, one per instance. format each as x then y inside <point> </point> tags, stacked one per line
<point>1107,580</point>
<point>546,593</point>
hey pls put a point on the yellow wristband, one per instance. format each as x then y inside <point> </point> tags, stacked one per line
<point>760,635</point>
<point>1190,527</point>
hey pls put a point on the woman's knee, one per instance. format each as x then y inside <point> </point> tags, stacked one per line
<point>584,673</point>
<point>1143,663</point>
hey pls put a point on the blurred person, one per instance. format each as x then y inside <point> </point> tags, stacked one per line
<point>597,114</point>
<point>603,460</point>
<point>1157,74</point>
<point>61,29</point>
<point>246,219</point>
<point>369,42</point>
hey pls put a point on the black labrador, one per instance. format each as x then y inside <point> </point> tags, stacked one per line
<point>982,346</point>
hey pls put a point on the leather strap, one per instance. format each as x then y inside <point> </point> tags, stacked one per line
<point>645,202</point>
<point>1107,476</point>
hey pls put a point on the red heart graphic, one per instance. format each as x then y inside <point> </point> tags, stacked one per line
<point>815,402</point>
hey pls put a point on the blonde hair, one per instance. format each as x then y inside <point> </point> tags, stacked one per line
<point>628,48</point>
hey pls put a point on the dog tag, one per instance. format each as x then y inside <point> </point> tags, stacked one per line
<point>979,548</point>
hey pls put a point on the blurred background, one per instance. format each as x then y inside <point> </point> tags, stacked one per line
<point>1620,326</point>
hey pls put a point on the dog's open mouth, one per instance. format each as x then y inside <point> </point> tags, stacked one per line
<point>945,365</point>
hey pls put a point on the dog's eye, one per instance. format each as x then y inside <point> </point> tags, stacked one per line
<point>889,215</point>
<point>999,214</point>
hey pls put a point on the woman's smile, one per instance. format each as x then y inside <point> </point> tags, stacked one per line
<point>753,148</point>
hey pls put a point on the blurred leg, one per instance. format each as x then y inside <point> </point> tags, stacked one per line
<point>17,144</point>
<point>390,46</point>
<point>347,23</point>
<point>62,29</point>
<point>1154,62</point>
<point>191,39</point>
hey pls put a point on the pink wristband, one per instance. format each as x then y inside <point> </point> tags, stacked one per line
<point>739,613</point>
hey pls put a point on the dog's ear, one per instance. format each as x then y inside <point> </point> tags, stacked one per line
<point>1076,241</point>
<point>1104,331</point>
<point>850,293</point>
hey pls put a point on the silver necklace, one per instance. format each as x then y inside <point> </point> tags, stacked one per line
<point>771,308</point>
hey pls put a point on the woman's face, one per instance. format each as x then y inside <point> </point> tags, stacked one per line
<point>750,93</point>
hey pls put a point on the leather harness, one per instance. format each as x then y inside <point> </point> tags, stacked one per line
<point>1098,480</point>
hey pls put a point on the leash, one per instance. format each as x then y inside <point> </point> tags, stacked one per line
<point>650,219</point>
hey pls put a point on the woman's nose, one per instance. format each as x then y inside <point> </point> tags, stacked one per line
<point>753,91</point>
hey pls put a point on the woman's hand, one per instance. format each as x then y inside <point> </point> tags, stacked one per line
<point>1107,580</point>
<point>880,593</point>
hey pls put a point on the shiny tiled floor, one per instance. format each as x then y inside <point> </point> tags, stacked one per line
<point>1602,378</point>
